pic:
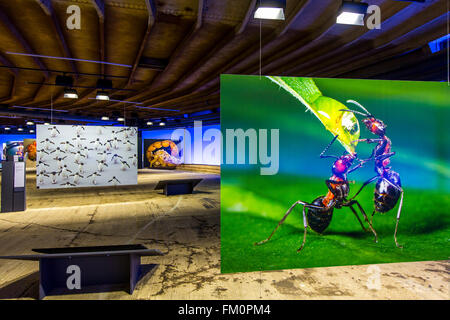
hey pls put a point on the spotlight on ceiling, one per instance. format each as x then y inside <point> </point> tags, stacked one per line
<point>352,13</point>
<point>46,124</point>
<point>7,128</point>
<point>120,119</point>
<point>31,131</point>
<point>105,118</point>
<point>30,123</point>
<point>149,123</point>
<point>102,95</point>
<point>270,9</point>
<point>70,93</point>
<point>19,129</point>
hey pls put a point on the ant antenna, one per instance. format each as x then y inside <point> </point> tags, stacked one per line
<point>322,155</point>
<point>353,111</point>
<point>359,105</point>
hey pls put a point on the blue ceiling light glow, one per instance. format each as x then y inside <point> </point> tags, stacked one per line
<point>43,109</point>
<point>157,109</point>
<point>71,59</point>
<point>439,44</point>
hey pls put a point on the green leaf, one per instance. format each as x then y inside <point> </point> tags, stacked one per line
<point>326,109</point>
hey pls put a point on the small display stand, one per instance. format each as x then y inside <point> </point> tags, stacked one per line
<point>13,185</point>
<point>174,187</point>
<point>88,269</point>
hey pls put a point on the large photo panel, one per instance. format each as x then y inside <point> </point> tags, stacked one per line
<point>318,142</point>
<point>85,156</point>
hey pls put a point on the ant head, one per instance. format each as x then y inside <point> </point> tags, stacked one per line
<point>342,164</point>
<point>375,126</point>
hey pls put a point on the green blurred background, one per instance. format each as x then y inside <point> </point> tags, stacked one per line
<point>416,114</point>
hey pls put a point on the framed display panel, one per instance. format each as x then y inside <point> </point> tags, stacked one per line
<point>252,203</point>
<point>85,156</point>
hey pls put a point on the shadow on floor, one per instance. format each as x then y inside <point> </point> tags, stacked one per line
<point>28,286</point>
<point>25,287</point>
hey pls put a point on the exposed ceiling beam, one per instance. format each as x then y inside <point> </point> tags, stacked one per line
<point>293,17</point>
<point>412,39</point>
<point>185,42</point>
<point>19,37</point>
<point>47,6</point>
<point>297,59</point>
<point>250,52</point>
<point>99,6</point>
<point>7,63</point>
<point>241,27</point>
<point>201,9</point>
<point>151,9</point>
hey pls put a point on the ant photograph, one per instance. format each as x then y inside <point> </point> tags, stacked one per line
<point>363,175</point>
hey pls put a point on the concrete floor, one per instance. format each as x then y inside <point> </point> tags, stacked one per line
<point>187,228</point>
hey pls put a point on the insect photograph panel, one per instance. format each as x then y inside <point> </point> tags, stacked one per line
<point>360,173</point>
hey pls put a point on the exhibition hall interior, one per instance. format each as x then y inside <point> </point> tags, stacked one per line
<point>114,117</point>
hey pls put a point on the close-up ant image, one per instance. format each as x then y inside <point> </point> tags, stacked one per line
<point>385,199</point>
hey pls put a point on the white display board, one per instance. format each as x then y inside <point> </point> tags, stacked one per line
<point>85,156</point>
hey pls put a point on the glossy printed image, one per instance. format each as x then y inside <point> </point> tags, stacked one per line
<point>362,167</point>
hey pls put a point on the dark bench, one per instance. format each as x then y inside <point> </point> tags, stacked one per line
<point>174,187</point>
<point>99,268</point>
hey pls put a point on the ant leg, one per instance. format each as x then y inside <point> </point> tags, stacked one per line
<point>371,218</point>
<point>357,217</point>
<point>305,225</point>
<point>284,218</point>
<point>365,184</point>
<point>384,156</point>
<point>368,140</point>
<point>365,218</point>
<point>398,218</point>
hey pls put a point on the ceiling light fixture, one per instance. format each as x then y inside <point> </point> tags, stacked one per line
<point>30,123</point>
<point>31,131</point>
<point>102,95</point>
<point>352,13</point>
<point>270,9</point>
<point>149,123</point>
<point>70,93</point>
<point>105,118</point>
<point>19,129</point>
<point>46,124</point>
<point>7,128</point>
<point>120,119</point>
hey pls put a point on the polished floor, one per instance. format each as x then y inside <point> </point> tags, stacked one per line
<point>187,229</point>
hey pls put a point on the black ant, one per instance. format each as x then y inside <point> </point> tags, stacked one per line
<point>320,211</point>
<point>388,188</point>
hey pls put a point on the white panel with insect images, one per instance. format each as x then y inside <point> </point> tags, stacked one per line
<point>85,156</point>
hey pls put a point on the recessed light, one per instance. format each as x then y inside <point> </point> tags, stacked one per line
<point>46,124</point>
<point>102,95</point>
<point>31,131</point>
<point>105,118</point>
<point>120,119</point>
<point>70,93</point>
<point>352,13</point>
<point>7,128</point>
<point>162,123</point>
<point>30,123</point>
<point>270,9</point>
<point>19,129</point>
<point>149,123</point>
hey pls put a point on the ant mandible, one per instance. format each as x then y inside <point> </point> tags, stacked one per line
<point>388,188</point>
<point>320,211</point>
